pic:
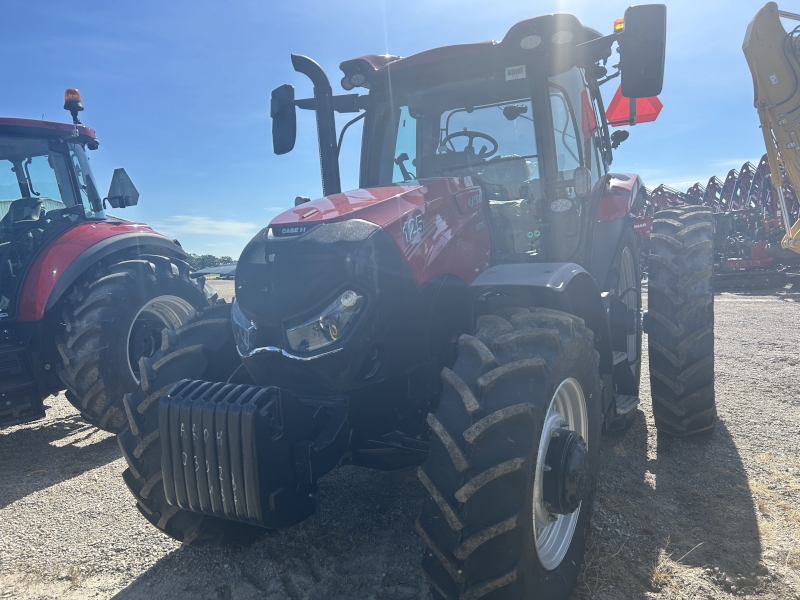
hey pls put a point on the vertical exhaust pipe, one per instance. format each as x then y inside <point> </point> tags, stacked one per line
<point>326,124</point>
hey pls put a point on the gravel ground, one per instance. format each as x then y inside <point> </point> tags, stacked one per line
<point>712,519</point>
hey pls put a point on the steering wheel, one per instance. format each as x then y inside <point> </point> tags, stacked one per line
<point>470,145</point>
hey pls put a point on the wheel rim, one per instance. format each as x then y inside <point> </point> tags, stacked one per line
<point>144,335</point>
<point>553,532</point>
<point>627,280</point>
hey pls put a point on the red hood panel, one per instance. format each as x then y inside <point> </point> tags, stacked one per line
<point>381,206</point>
<point>435,223</point>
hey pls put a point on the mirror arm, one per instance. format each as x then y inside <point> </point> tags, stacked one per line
<point>595,50</point>
<point>609,78</point>
<point>346,103</point>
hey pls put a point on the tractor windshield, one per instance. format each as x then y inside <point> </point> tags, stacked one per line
<point>458,129</point>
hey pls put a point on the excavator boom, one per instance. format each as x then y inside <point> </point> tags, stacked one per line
<point>773,56</point>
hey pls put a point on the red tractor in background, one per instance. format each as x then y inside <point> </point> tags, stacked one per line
<point>474,309</point>
<point>83,295</point>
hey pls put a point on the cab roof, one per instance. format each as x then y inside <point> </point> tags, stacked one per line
<point>551,37</point>
<point>47,129</point>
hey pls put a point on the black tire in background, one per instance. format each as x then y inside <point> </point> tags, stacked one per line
<point>681,321</point>
<point>484,472</point>
<point>113,318</point>
<point>201,349</point>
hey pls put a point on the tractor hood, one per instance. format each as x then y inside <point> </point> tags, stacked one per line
<point>380,206</point>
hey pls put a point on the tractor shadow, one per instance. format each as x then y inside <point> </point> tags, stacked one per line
<point>664,507</point>
<point>47,452</point>
<point>360,543</point>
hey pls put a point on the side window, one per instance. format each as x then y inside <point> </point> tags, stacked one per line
<point>404,170</point>
<point>568,151</point>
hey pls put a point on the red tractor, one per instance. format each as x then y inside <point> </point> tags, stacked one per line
<point>473,309</point>
<point>83,295</point>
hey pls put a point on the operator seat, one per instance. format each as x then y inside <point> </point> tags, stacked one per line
<point>20,212</point>
<point>512,173</point>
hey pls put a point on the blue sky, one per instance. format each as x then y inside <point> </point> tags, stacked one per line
<point>179,92</point>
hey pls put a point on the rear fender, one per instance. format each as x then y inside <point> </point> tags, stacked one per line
<point>68,257</point>
<point>561,286</point>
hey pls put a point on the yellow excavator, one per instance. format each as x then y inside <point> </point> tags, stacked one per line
<point>773,56</point>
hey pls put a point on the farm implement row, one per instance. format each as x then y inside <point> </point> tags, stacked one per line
<point>750,217</point>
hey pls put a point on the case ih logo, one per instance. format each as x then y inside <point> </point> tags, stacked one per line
<point>291,230</point>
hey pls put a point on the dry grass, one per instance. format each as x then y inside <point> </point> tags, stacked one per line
<point>763,507</point>
<point>600,571</point>
<point>35,574</point>
<point>767,457</point>
<point>666,570</point>
<point>790,513</point>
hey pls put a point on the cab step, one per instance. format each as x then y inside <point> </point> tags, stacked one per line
<point>625,404</point>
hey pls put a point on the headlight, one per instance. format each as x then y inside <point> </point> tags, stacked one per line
<point>327,327</point>
<point>244,330</point>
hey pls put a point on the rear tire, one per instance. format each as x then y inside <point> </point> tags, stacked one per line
<point>482,520</point>
<point>681,322</point>
<point>114,318</point>
<point>202,349</point>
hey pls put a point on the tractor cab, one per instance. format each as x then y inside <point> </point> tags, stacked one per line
<point>46,185</point>
<point>522,119</point>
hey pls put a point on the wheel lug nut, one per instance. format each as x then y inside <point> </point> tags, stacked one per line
<point>554,434</point>
<point>563,423</point>
<point>552,518</point>
<point>545,504</point>
<point>546,468</point>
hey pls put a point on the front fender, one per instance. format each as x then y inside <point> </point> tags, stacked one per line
<point>66,258</point>
<point>561,286</point>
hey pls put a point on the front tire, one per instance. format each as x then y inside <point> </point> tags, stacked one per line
<point>114,318</point>
<point>201,349</point>
<point>490,522</point>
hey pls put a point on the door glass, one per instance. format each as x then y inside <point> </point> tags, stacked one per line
<point>568,151</point>
<point>406,144</point>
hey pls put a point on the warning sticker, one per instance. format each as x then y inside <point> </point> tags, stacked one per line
<point>772,78</point>
<point>515,72</point>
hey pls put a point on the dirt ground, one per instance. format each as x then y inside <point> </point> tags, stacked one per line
<point>712,519</point>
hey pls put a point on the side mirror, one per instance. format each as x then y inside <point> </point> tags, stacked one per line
<point>284,119</point>
<point>642,47</point>
<point>122,192</point>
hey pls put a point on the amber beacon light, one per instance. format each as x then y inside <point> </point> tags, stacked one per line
<point>73,103</point>
<point>619,25</point>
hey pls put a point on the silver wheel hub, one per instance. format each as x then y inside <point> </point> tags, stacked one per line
<point>566,416</point>
<point>162,312</point>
